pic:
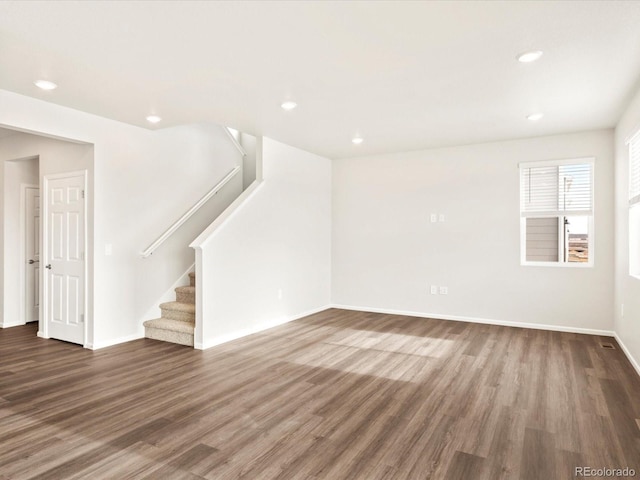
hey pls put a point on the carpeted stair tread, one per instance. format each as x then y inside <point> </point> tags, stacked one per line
<point>168,330</point>
<point>177,324</point>
<point>171,325</point>
<point>186,295</point>
<point>179,307</point>
<point>185,289</point>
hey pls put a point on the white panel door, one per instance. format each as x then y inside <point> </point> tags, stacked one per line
<point>65,270</point>
<point>32,250</point>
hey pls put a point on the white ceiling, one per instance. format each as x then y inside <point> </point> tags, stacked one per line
<point>404,75</point>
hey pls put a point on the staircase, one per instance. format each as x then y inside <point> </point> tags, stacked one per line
<point>177,322</point>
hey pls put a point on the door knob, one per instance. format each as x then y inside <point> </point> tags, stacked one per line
<point>31,262</point>
<point>48,267</point>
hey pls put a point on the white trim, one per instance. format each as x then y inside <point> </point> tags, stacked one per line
<point>228,337</point>
<point>41,334</point>
<point>11,324</point>
<point>115,341</point>
<point>626,351</point>
<point>204,237</point>
<point>235,141</point>
<point>526,263</point>
<point>198,331</point>
<point>178,223</point>
<point>44,292</point>
<point>486,321</point>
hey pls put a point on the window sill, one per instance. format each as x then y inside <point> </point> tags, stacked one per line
<point>558,264</point>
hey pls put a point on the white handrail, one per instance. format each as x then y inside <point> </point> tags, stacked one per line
<point>235,142</point>
<point>160,240</point>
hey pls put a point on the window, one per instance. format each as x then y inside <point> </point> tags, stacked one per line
<point>556,209</point>
<point>634,205</point>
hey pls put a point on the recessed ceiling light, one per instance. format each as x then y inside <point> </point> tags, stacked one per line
<point>45,84</point>
<point>529,57</point>
<point>534,117</point>
<point>289,105</point>
<point>357,140</point>
<point>153,118</point>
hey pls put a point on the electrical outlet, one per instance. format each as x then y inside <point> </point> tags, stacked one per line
<point>441,217</point>
<point>434,290</point>
<point>444,290</point>
<point>434,218</point>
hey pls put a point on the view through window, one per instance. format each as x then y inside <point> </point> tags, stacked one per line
<point>556,211</point>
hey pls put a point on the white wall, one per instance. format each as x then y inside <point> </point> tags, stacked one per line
<point>278,240</point>
<point>249,144</point>
<point>386,253</point>
<point>627,288</point>
<point>143,181</point>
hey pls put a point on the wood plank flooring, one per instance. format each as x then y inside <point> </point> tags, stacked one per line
<point>337,395</point>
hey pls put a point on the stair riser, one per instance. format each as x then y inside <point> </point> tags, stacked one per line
<point>178,315</point>
<point>180,338</point>
<point>186,297</point>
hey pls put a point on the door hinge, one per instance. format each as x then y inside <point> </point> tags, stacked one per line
<point>82,193</point>
<point>82,318</point>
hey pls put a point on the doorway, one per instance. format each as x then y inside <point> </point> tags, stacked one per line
<point>19,174</point>
<point>26,160</point>
<point>30,213</point>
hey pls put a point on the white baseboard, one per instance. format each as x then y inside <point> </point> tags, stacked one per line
<point>626,351</point>
<point>41,334</point>
<point>115,341</point>
<point>487,321</point>
<point>11,324</point>
<point>212,342</point>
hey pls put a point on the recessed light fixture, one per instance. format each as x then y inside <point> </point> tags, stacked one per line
<point>529,57</point>
<point>357,140</point>
<point>153,118</point>
<point>45,84</point>
<point>288,105</point>
<point>534,117</point>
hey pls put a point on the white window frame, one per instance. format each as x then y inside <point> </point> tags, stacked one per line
<point>591,222</point>
<point>634,206</point>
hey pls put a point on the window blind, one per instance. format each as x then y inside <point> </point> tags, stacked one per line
<point>634,169</point>
<point>556,189</point>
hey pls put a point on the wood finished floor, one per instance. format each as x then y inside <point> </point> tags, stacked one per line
<point>338,395</point>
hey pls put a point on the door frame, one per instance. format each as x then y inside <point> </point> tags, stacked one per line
<point>43,325</point>
<point>23,250</point>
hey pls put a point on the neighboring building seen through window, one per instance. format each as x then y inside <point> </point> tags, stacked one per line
<point>556,207</point>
